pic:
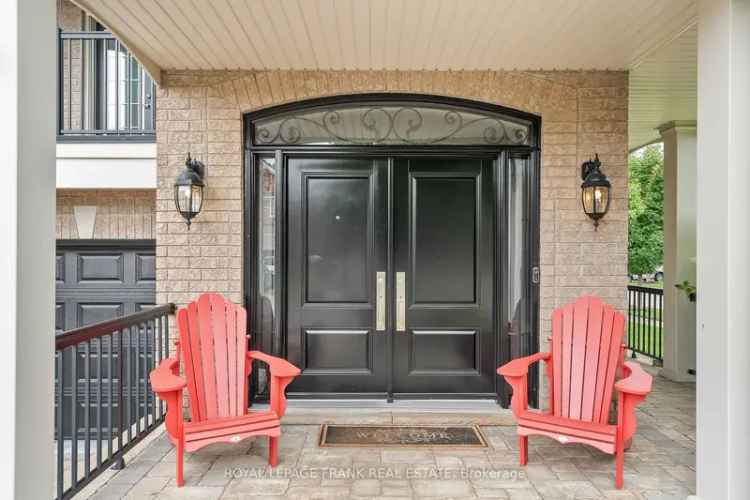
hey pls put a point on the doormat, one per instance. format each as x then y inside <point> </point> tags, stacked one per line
<point>444,436</point>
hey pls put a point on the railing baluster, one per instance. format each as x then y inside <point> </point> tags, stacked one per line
<point>74,419</point>
<point>110,403</point>
<point>117,89</point>
<point>137,377</point>
<point>129,388</point>
<point>87,412</point>
<point>160,356</point>
<point>631,323</point>
<point>146,370</point>
<point>103,115</point>
<point>99,402</point>
<point>661,326</point>
<point>120,390</point>
<point>70,84</point>
<point>82,80</point>
<point>60,358</point>
<point>642,341</point>
<point>652,318</point>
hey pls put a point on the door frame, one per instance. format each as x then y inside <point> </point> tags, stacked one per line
<point>498,154</point>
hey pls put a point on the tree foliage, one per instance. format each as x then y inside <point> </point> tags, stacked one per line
<point>646,213</point>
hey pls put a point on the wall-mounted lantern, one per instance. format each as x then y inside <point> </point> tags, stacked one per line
<point>188,189</point>
<point>594,190</point>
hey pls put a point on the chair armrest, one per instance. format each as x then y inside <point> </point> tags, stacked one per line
<point>632,389</point>
<point>164,378</point>
<point>515,374</point>
<point>279,367</point>
<point>168,386</point>
<point>636,380</point>
<point>282,374</point>
<point>520,366</point>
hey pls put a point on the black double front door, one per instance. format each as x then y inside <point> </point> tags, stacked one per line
<point>390,276</point>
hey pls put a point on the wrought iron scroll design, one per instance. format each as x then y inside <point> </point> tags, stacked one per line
<point>384,124</point>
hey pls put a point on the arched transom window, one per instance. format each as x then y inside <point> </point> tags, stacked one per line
<point>380,122</point>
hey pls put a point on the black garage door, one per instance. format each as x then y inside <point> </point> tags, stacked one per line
<point>97,280</point>
<point>101,279</point>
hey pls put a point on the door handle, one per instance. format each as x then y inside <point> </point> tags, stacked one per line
<point>400,302</point>
<point>380,301</point>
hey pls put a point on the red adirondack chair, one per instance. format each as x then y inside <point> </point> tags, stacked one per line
<point>587,353</point>
<point>213,346</point>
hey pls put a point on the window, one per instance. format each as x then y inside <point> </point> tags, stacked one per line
<point>384,123</point>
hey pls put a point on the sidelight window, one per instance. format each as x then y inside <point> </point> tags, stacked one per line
<point>266,189</point>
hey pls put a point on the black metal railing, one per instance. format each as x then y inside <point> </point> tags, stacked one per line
<point>103,92</point>
<point>103,399</point>
<point>646,321</point>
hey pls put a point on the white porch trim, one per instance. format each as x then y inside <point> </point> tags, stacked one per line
<point>679,247</point>
<point>106,166</point>
<point>27,255</point>
<point>723,236</point>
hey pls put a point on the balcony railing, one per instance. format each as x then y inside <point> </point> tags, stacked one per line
<point>646,321</point>
<point>103,92</point>
<point>103,399</point>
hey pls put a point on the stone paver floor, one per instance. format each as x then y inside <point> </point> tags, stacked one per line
<point>660,465</point>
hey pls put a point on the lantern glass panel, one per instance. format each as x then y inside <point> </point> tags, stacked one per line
<point>197,199</point>
<point>183,198</point>
<point>595,199</point>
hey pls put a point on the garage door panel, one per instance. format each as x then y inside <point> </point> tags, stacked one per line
<point>88,314</point>
<point>98,267</point>
<point>59,317</point>
<point>60,268</point>
<point>145,268</point>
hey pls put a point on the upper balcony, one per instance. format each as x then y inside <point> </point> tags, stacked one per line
<point>104,94</point>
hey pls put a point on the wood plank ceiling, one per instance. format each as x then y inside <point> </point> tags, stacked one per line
<point>663,88</point>
<point>394,34</point>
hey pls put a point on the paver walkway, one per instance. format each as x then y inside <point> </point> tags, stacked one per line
<point>660,465</point>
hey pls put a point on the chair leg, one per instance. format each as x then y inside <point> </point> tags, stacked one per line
<point>619,462</point>
<point>628,444</point>
<point>180,451</point>
<point>273,451</point>
<point>523,449</point>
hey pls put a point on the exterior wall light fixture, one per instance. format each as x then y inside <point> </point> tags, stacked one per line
<point>188,189</point>
<point>594,190</point>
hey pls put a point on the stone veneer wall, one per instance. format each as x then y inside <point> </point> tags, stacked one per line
<point>582,112</point>
<point>120,214</point>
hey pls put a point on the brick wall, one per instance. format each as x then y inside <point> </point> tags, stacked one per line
<point>120,214</point>
<point>582,113</point>
<point>69,16</point>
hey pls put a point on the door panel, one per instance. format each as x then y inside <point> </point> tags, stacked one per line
<point>449,275</point>
<point>336,244</point>
<point>444,243</point>
<point>337,239</point>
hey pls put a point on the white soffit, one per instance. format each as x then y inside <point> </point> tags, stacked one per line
<point>392,34</point>
<point>663,88</point>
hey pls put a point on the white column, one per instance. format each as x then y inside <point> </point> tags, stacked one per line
<point>679,248</point>
<point>27,247</point>
<point>723,235</point>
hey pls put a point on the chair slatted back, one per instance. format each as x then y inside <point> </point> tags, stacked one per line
<point>213,344</point>
<point>586,352</point>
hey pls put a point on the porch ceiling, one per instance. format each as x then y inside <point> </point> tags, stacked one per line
<point>652,38</point>
<point>393,34</point>
<point>663,88</point>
